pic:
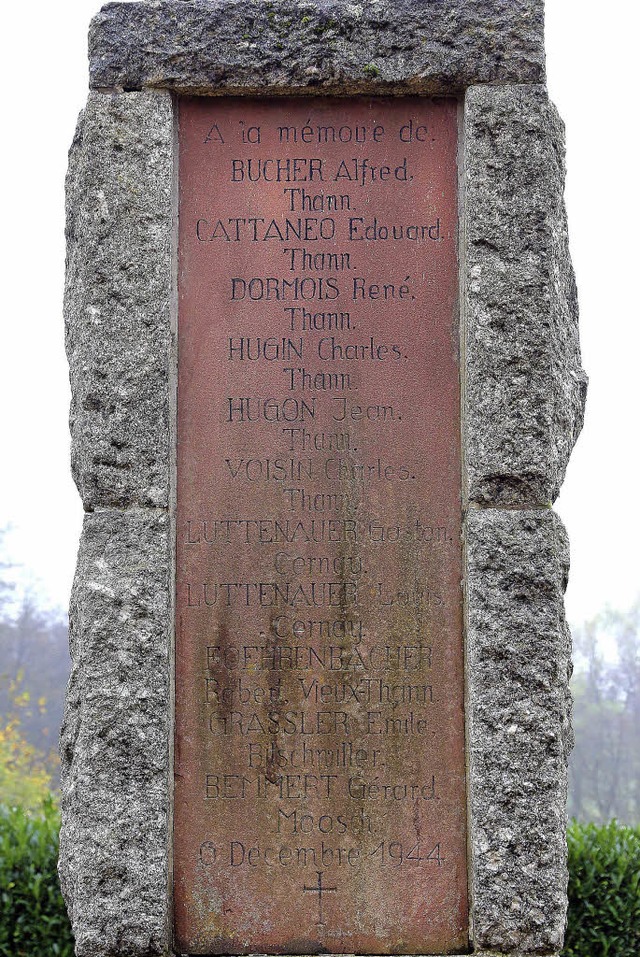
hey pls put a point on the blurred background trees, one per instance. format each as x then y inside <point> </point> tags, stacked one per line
<point>605,763</point>
<point>34,667</point>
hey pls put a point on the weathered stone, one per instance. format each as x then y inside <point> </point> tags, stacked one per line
<point>114,746</point>
<point>241,46</point>
<point>518,717</point>
<point>117,298</point>
<point>525,388</point>
<point>524,393</point>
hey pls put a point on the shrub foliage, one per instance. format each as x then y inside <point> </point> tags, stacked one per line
<point>604,891</point>
<point>33,919</point>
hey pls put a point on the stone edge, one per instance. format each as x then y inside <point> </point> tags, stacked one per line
<point>520,301</point>
<point>115,741</point>
<point>518,664</point>
<point>215,47</point>
<point>519,308</point>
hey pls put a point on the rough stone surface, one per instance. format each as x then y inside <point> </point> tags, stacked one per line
<point>518,669</point>
<point>114,745</point>
<point>525,387</point>
<point>244,46</point>
<point>117,298</point>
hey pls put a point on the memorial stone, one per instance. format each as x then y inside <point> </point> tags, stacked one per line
<point>322,333</point>
<point>319,678</point>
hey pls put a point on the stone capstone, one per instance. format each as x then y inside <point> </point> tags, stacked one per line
<point>323,46</point>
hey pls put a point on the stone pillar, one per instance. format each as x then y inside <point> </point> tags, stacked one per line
<point>523,396</point>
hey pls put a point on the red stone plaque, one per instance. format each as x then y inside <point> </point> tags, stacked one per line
<point>319,749</point>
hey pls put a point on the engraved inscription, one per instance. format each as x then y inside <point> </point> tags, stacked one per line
<point>319,890</point>
<point>319,745</point>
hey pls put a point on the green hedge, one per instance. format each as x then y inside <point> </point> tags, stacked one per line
<point>604,888</point>
<point>33,919</point>
<point>604,891</point>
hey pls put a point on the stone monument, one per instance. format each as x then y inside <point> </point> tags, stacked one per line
<point>322,330</point>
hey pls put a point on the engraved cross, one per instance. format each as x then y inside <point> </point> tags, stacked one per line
<point>319,890</point>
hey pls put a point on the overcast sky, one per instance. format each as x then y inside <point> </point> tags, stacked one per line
<point>592,51</point>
